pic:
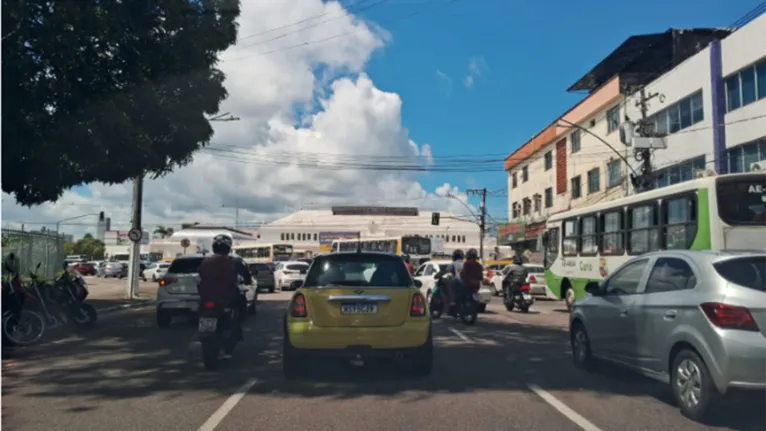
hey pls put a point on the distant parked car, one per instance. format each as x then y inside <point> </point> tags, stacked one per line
<point>264,275</point>
<point>693,319</point>
<point>85,268</point>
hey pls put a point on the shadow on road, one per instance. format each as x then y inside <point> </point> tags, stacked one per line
<point>131,357</point>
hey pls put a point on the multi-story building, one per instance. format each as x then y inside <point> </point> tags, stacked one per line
<point>578,159</point>
<point>712,108</point>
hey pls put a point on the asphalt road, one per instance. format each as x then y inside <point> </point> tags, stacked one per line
<point>509,371</point>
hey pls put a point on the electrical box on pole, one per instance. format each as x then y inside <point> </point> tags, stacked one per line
<point>435,219</point>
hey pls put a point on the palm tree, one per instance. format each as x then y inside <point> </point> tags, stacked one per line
<point>164,231</point>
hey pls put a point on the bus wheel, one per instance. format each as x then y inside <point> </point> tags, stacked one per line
<point>569,296</point>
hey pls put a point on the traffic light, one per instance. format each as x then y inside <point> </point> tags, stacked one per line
<point>435,219</point>
<point>101,216</point>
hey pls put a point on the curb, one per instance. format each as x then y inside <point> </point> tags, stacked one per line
<point>127,306</point>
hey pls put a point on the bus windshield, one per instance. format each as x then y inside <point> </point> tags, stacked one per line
<point>416,245</point>
<point>742,201</point>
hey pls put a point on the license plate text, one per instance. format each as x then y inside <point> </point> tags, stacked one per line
<point>358,308</point>
<point>207,324</point>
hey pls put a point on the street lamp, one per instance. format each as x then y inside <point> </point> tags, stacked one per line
<point>58,225</point>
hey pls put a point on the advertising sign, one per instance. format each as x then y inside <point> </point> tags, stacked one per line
<point>326,239</point>
<point>383,211</point>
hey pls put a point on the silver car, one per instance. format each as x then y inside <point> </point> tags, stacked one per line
<point>178,291</point>
<point>693,319</point>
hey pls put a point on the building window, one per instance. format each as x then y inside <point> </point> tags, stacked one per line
<point>549,160</point>
<point>576,187</point>
<point>315,237</point>
<point>743,157</point>
<point>614,174</point>
<point>746,86</point>
<point>282,236</point>
<point>613,119</point>
<point>575,139</point>
<point>515,210</point>
<point>463,238</point>
<point>680,172</point>
<point>594,180</point>
<point>514,180</point>
<point>525,174</point>
<point>538,201</point>
<point>527,206</point>
<point>549,197</point>
<point>678,116</point>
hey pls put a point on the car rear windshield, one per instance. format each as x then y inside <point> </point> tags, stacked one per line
<point>297,267</point>
<point>259,267</point>
<point>744,271</point>
<point>358,270</point>
<point>535,269</point>
<point>185,266</point>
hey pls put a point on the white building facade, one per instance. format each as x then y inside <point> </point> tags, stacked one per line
<point>712,108</point>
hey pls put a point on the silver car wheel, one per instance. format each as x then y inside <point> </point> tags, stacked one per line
<point>689,383</point>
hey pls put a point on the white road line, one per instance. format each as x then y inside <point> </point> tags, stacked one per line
<point>460,334</point>
<point>563,408</point>
<point>227,407</point>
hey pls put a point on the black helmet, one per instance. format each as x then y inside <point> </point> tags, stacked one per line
<point>457,255</point>
<point>517,260</point>
<point>472,254</point>
<point>222,244</point>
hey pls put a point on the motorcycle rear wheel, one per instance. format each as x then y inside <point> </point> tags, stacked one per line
<point>468,314</point>
<point>29,322</point>
<point>210,354</point>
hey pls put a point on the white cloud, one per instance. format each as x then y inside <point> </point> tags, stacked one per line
<point>477,67</point>
<point>259,162</point>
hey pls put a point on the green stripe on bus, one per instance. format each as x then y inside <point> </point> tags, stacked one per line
<point>702,239</point>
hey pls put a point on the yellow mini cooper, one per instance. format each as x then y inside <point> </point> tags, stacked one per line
<point>355,306</point>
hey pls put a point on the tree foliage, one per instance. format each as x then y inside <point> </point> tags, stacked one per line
<point>105,91</point>
<point>87,245</point>
<point>164,231</point>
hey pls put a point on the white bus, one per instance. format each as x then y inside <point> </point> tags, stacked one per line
<point>415,246</point>
<point>252,253</point>
<point>711,213</point>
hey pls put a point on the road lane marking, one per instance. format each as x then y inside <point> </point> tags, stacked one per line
<point>227,406</point>
<point>563,408</point>
<point>461,335</point>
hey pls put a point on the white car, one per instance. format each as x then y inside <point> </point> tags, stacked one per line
<point>426,274</point>
<point>289,275</point>
<point>156,270</point>
<point>535,279</point>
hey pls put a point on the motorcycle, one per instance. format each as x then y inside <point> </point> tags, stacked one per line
<point>216,332</point>
<point>465,308</point>
<point>522,298</point>
<point>68,292</point>
<point>20,325</point>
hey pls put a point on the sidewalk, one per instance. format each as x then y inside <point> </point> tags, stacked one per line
<point>110,294</point>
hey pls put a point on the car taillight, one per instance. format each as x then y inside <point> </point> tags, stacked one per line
<point>524,288</point>
<point>298,308</point>
<point>167,280</point>
<point>208,305</point>
<point>489,273</point>
<point>532,279</point>
<point>727,316</point>
<point>418,307</point>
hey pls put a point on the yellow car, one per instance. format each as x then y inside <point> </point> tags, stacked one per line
<point>355,306</point>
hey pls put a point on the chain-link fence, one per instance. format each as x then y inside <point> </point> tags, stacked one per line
<point>31,248</point>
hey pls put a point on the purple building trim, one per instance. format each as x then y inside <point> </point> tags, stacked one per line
<point>718,99</point>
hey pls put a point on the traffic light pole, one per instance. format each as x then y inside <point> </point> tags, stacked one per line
<point>482,217</point>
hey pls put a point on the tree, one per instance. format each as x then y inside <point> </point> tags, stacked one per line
<point>87,245</point>
<point>164,231</point>
<point>106,91</point>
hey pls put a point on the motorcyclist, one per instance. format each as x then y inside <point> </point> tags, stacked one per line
<point>219,279</point>
<point>517,276</point>
<point>454,269</point>
<point>408,264</point>
<point>472,273</point>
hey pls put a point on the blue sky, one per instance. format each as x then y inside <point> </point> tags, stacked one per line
<point>533,51</point>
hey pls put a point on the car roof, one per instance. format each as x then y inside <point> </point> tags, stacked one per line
<point>705,256</point>
<point>361,253</point>
<point>291,262</point>
<point>192,256</point>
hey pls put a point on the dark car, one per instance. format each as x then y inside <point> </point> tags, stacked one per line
<point>124,272</point>
<point>264,275</point>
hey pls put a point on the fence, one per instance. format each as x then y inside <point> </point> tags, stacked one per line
<point>32,248</point>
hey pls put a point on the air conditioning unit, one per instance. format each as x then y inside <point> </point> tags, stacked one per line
<point>758,166</point>
<point>702,173</point>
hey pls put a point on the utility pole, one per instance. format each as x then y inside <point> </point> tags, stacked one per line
<point>644,155</point>
<point>482,216</point>
<point>236,214</point>
<point>134,267</point>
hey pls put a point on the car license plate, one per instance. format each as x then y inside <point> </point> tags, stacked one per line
<point>358,308</point>
<point>207,324</point>
<point>526,296</point>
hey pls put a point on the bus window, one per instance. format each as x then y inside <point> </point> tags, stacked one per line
<point>644,232</point>
<point>588,236</point>
<point>612,233</point>
<point>570,238</point>
<point>742,201</point>
<point>680,222</point>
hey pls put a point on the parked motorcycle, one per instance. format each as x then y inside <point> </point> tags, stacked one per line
<point>216,331</point>
<point>69,292</point>
<point>465,308</point>
<point>20,324</point>
<point>521,298</point>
